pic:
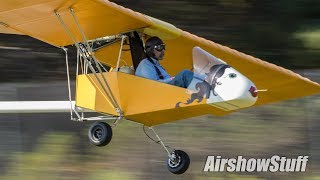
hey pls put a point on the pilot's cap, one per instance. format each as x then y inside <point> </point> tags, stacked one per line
<point>153,41</point>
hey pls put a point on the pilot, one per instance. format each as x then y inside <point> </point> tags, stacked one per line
<point>150,66</point>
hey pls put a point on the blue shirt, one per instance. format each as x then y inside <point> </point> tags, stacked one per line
<point>147,70</point>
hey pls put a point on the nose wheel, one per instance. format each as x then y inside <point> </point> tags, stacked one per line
<point>100,133</point>
<point>178,161</point>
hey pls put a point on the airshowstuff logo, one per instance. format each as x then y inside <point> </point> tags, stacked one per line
<point>240,164</point>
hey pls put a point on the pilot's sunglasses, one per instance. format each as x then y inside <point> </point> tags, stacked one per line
<point>160,47</point>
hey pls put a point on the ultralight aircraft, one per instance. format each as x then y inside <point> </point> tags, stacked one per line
<point>110,44</point>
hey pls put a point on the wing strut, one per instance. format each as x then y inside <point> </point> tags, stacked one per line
<point>68,77</point>
<point>105,86</point>
<point>120,51</point>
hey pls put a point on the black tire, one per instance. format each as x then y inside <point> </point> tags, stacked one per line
<point>100,133</point>
<point>181,164</point>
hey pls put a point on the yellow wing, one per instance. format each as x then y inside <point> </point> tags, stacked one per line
<point>100,18</point>
<point>37,19</point>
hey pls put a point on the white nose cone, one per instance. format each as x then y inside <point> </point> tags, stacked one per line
<point>219,84</point>
<point>233,91</point>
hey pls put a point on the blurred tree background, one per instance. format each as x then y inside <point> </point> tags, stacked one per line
<point>48,146</point>
<point>285,32</point>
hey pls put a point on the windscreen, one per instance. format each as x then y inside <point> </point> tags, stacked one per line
<point>203,61</point>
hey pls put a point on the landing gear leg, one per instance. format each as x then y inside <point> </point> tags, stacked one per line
<point>178,161</point>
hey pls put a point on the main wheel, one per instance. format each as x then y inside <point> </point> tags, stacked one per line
<point>100,133</point>
<point>179,163</point>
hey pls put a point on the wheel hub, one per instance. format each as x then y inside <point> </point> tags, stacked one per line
<point>97,133</point>
<point>174,161</point>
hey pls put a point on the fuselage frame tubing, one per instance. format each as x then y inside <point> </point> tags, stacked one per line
<point>104,85</point>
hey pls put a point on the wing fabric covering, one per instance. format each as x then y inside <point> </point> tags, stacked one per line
<point>98,18</point>
<point>101,18</point>
<point>280,83</point>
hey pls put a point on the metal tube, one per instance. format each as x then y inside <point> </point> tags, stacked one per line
<point>120,52</point>
<point>78,60</point>
<point>96,62</point>
<point>77,114</point>
<point>67,30</point>
<point>112,99</point>
<point>68,77</point>
<point>96,76</point>
<point>80,29</point>
<point>162,144</point>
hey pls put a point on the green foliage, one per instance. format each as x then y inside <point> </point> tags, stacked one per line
<point>46,162</point>
<point>54,157</point>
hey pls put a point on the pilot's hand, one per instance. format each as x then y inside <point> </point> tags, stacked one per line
<point>172,78</point>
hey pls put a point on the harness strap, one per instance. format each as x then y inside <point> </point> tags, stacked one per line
<point>157,69</point>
